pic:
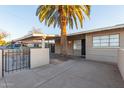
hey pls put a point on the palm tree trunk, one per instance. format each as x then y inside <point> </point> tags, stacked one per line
<point>63,41</point>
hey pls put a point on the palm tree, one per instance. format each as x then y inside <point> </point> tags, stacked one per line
<point>63,16</point>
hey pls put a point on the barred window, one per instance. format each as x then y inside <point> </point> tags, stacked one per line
<point>96,41</point>
<point>106,41</point>
<point>114,40</point>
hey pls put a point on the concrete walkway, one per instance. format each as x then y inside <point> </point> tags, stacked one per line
<point>69,73</point>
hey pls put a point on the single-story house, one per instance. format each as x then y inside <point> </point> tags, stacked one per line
<point>98,44</point>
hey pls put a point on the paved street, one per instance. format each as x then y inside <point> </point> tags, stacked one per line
<point>66,73</point>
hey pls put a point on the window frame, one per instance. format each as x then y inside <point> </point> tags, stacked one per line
<point>108,41</point>
<point>115,42</point>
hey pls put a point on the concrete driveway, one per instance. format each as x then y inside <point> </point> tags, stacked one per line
<point>66,73</point>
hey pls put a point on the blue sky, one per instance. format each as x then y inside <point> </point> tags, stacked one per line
<point>18,20</point>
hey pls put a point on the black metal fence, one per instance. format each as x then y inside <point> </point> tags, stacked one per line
<point>15,59</point>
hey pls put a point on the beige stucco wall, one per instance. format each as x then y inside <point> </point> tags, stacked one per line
<point>0,63</point>
<point>39,57</point>
<point>103,54</point>
<point>121,62</point>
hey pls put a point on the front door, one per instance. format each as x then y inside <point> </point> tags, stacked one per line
<point>83,48</point>
<point>52,48</point>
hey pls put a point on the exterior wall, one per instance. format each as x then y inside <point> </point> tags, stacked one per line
<point>0,64</point>
<point>71,50</point>
<point>76,38</point>
<point>71,40</point>
<point>57,46</point>
<point>121,62</point>
<point>77,52</point>
<point>103,54</point>
<point>70,47</point>
<point>39,57</point>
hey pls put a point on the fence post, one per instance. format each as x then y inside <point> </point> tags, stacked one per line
<point>1,63</point>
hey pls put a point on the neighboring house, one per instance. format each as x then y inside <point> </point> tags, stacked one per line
<point>99,44</point>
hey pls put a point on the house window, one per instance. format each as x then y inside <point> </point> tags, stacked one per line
<point>114,40</point>
<point>106,41</point>
<point>77,44</point>
<point>96,41</point>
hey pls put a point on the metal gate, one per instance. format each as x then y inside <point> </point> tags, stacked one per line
<point>15,59</point>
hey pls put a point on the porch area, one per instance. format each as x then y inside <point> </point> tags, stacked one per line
<point>66,72</point>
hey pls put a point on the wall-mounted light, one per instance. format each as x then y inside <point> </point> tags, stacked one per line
<point>69,42</point>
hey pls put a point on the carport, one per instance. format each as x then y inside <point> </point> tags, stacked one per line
<point>35,37</point>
